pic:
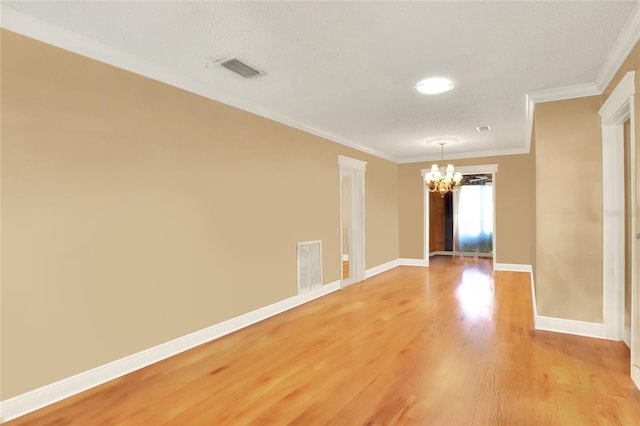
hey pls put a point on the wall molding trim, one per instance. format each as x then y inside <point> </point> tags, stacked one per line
<point>568,326</point>
<point>29,26</point>
<point>403,261</point>
<point>459,253</point>
<point>393,264</point>
<point>466,154</point>
<point>544,323</point>
<point>613,111</point>
<point>562,93</point>
<point>381,268</point>
<point>512,267</point>
<point>635,375</point>
<point>46,395</point>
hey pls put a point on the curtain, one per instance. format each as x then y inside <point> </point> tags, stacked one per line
<point>473,218</point>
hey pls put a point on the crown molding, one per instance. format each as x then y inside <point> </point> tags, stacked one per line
<point>551,95</point>
<point>482,168</point>
<point>626,41</point>
<point>37,29</point>
<point>562,93</point>
<point>463,155</point>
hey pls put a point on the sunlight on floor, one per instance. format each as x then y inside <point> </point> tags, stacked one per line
<point>475,294</point>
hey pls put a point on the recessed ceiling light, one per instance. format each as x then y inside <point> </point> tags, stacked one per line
<point>434,86</point>
<point>483,128</point>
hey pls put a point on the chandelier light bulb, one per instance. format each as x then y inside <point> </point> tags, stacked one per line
<point>442,179</point>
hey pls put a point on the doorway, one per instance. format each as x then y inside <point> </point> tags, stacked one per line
<point>619,204</point>
<point>448,231</point>
<point>625,321</point>
<point>461,222</point>
<point>352,231</point>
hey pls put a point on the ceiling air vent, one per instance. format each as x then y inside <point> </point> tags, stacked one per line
<point>483,128</point>
<point>241,68</point>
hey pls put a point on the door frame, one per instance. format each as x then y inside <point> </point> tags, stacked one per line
<point>619,107</point>
<point>465,170</point>
<point>354,170</point>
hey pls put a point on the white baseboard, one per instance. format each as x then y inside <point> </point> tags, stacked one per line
<point>534,301</point>
<point>558,325</point>
<point>392,264</point>
<point>568,326</point>
<point>635,375</point>
<point>460,253</point>
<point>381,268</point>
<point>403,261</point>
<point>512,267</point>
<point>519,267</point>
<point>54,392</point>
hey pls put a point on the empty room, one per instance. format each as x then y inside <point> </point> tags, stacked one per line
<point>346,213</point>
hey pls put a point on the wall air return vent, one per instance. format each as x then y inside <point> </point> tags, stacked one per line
<point>309,265</point>
<point>241,68</point>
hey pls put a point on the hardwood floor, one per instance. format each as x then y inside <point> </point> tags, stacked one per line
<point>449,345</point>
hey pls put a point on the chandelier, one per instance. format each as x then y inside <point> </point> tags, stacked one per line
<point>443,180</point>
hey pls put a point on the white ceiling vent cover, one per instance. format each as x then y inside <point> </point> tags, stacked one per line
<point>241,68</point>
<point>309,265</point>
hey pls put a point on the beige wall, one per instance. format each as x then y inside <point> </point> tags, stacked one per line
<point>515,228</point>
<point>569,209</point>
<point>568,141</point>
<point>134,212</point>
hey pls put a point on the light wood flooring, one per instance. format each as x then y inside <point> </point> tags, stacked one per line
<point>449,345</point>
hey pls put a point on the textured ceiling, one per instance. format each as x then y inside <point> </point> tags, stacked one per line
<point>347,70</point>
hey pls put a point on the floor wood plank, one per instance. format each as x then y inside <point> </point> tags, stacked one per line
<point>452,344</point>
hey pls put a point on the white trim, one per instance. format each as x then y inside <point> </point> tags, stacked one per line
<point>353,170</point>
<point>519,267</point>
<point>633,344</point>
<point>544,323</point>
<point>39,30</point>
<point>512,267</point>
<point>615,109</point>
<point>465,154</point>
<point>618,107</point>
<point>612,227</point>
<point>403,261</point>
<point>550,95</point>
<point>635,375</point>
<point>534,300</point>
<point>425,220</point>
<point>529,109</point>
<point>459,253</point>
<point>54,392</point>
<point>381,268</point>
<point>352,163</point>
<point>482,168</point>
<point>578,328</point>
<point>562,93</point>
<point>626,41</point>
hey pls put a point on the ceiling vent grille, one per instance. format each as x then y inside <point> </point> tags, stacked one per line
<point>241,68</point>
<point>483,128</point>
